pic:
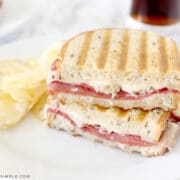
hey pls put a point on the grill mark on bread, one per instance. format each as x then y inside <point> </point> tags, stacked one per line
<point>101,61</point>
<point>163,62</point>
<point>63,50</point>
<point>84,50</point>
<point>100,108</point>
<point>66,45</point>
<point>124,51</point>
<point>176,57</point>
<point>142,116</point>
<point>178,60</point>
<point>143,57</point>
<point>162,123</point>
<point>120,112</point>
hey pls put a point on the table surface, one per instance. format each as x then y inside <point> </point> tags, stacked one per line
<point>65,18</point>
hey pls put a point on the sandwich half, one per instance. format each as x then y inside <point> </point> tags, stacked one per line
<point>147,132</point>
<point>119,87</point>
<point>118,67</point>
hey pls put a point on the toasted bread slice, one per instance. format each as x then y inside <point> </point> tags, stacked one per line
<point>166,142</point>
<point>150,125</point>
<point>113,59</point>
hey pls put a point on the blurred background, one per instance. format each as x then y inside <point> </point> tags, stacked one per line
<point>60,19</point>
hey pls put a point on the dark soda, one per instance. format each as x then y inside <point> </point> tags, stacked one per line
<point>156,12</point>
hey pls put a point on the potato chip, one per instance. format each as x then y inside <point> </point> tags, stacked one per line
<point>21,92</point>
<point>38,109</point>
<point>9,67</point>
<point>11,111</point>
<point>21,85</point>
<point>32,73</point>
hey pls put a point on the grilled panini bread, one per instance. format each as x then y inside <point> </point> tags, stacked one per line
<point>147,132</point>
<point>118,67</point>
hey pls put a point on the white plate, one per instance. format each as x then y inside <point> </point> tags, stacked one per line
<point>33,149</point>
<point>14,14</point>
